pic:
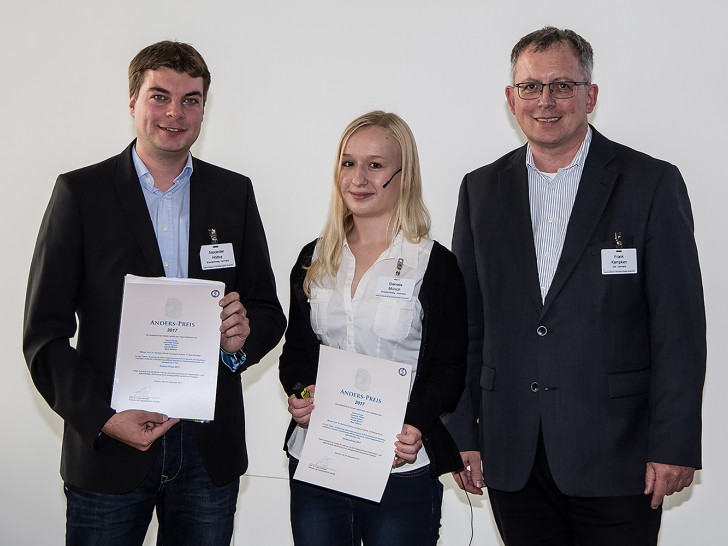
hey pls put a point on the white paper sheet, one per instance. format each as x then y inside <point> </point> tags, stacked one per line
<point>169,346</point>
<point>360,405</point>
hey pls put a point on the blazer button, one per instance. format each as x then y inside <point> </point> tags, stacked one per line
<point>534,387</point>
<point>542,330</point>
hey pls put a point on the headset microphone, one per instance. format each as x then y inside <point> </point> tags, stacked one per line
<point>390,178</point>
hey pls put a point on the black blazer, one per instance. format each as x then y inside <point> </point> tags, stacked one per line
<point>616,381</point>
<point>440,366</point>
<point>95,230</point>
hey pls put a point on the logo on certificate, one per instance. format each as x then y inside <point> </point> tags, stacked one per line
<point>402,372</point>
<point>363,380</point>
<point>173,308</point>
<point>215,293</point>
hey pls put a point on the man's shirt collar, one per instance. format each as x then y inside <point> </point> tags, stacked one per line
<point>146,180</point>
<point>579,158</point>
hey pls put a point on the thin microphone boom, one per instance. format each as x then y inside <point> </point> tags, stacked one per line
<point>390,178</point>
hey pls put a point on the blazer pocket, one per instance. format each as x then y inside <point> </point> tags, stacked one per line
<point>487,377</point>
<point>623,384</point>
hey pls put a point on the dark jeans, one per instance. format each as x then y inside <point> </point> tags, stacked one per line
<point>190,508</point>
<point>541,515</point>
<point>408,514</point>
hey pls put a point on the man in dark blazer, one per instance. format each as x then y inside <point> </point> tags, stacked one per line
<point>147,212</point>
<point>586,319</point>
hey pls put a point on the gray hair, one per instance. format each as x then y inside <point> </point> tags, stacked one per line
<point>541,40</point>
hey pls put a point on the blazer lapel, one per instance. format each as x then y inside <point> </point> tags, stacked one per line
<point>199,224</point>
<point>513,185</point>
<point>592,196</point>
<point>135,207</point>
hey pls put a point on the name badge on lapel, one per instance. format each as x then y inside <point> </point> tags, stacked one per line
<point>619,261</point>
<point>395,287</point>
<point>217,255</point>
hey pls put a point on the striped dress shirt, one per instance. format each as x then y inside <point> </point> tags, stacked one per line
<point>551,197</point>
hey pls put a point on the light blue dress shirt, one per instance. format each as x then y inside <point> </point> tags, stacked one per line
<point>170,214</point>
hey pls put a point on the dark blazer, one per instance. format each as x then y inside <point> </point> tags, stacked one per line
<point>440,366</point>
<point>615,377</point>
<point>95,230</point>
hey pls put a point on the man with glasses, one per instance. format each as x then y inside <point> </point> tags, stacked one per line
<point>587,325</point>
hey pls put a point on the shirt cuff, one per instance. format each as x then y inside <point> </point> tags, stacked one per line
<point>232,360</point>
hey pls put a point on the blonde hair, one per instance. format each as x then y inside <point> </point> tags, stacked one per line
<point>410,214</point>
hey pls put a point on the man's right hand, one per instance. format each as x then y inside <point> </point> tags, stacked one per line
<point>470,478</point>
<point>137,428</point>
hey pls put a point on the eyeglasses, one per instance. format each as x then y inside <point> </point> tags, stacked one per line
<point>559,90</point>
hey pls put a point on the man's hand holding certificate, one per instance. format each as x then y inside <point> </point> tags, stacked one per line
<point>360,407</point>
<point>169,347</point>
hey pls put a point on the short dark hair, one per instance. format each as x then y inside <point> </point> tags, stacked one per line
<point>543,39</point>
<point>178,56</point>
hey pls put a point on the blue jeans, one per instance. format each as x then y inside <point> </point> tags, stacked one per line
<point>190,508</point>
<point>409,513</point>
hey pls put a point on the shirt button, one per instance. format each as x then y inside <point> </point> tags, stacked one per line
<point>166,264</point>
<point>542,330</point>
<point>164,196</point>
<point>534,387</point>
<point>349,318</point>
<point>147,180</point>
<point>164,228</point>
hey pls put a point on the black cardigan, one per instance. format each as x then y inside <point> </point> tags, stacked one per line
<point>441,365</point>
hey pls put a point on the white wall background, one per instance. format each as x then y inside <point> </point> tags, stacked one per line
<point>287,77</point>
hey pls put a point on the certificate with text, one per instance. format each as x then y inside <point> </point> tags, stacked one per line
<point>360,405</point>
<point>169,347</point>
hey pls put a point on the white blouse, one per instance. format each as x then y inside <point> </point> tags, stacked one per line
<point>387,328</point>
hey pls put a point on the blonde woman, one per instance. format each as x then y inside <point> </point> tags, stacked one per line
<point>377,227</point>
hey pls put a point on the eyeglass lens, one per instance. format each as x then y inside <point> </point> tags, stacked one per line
<point>559,90</point>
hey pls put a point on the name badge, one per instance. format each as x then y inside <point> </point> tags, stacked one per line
<point>395,287</point>
<point>619,261</point>
<point>217,256</point>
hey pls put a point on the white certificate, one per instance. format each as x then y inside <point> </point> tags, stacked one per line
<point>360,407</point>
<point>169,346</point>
